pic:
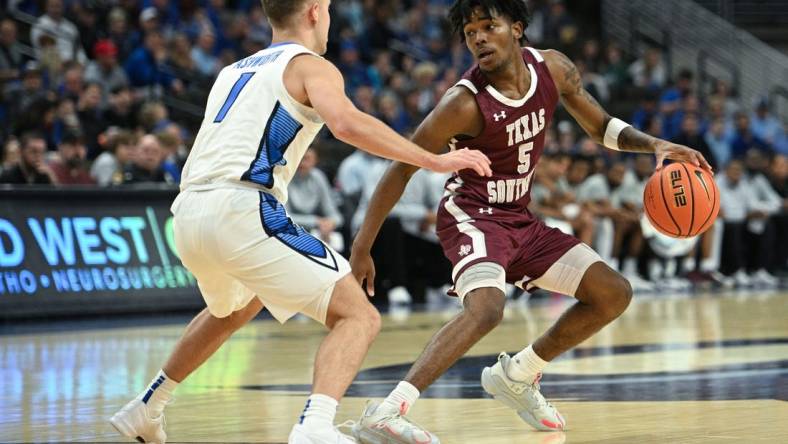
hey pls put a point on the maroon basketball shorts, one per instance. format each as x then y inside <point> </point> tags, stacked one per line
<point>490,246</point>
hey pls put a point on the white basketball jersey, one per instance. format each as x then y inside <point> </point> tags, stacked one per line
<point>253,132</point>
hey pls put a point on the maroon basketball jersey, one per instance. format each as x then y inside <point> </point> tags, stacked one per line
<point>513,137</point>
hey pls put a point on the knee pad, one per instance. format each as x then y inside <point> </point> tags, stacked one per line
<point>481,275</point>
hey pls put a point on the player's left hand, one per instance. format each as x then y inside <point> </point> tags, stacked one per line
<point>667,150</point>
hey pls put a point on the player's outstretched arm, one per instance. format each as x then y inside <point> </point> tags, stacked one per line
<point>605,130</point>
<point>324,88</point>
<point>456,113</point>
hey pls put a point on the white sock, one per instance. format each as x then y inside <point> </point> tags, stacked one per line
<point>526,365</point>
<point>319,411</point>
<point>401,399</point>
<point>158,393</point>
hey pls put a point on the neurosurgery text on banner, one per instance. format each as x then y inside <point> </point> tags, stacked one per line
<point>79,246</point>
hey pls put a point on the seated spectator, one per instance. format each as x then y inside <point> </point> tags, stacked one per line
<point>778,177</point>
<point>203,56</point>
<point>555,203</point>
<point>145,66</point>
<point>719,143</point>
<point>55,25</point>
<point>71,166</point>
<point>108,167</point>
<point>31,168</point>
<point>10,155</point>
<point>122,110</point>
<point>146,165</point>
<point>744,139</point>
<point>765,125</point>
<point>172,163</point>
<point>105,70</point>
<point>741,211</point>
<point>649,71</point>
<point>73,81</point>
<point>11,56</point>
<point>646,111</point>
<point>311,204</point>
<point>91,117</point>
<point>691,136</point>
<point>615,69</point>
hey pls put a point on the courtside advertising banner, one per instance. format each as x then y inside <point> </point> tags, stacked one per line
<point>90,251</point>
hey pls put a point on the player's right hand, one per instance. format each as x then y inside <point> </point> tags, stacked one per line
<point>363,268</point>
<point>461,160</point>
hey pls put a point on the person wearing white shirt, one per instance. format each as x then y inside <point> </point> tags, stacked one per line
<point>65,33</point>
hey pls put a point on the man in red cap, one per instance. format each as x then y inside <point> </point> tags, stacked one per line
<point>105,70</point>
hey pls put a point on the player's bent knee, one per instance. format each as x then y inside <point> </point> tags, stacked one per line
<point>484,307</point>
<point>618,297</point>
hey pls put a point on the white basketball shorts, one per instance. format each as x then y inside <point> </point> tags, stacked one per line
<point>239,243</point>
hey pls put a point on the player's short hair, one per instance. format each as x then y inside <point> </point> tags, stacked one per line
<point>279,12</point>
<point>515,10</point>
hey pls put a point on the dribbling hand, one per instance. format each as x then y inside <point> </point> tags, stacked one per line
<point>681,153</point>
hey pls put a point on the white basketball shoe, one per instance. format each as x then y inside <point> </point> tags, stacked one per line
<point>389,428</point>
<point>301,435</point>
<point>522,397</point>
<point>134,421</point>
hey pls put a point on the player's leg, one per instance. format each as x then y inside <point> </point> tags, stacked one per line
<point>143,416</point>
<point>482,286</point>
<point>354,323</point>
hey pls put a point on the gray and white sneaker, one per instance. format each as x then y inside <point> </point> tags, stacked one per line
<point>134,421</point>
<point>522,397</point>
<point>389,428</point>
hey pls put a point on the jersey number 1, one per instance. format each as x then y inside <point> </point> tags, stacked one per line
<point>236,89</point>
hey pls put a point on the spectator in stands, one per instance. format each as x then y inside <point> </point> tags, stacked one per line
<point>719,143</point>
<point>552,199</point>
<point>108,167</point>
<point>778,177</point>
<point>85,15</point>
<point>91,117</point>
<point>646,111</point>
<point>761,232</point>
<point>764,125</point>
<point>146,164</point>
<point>181,59</point>
<point>118,32</point>
<point>203,56</point>
<point>311,203</point>
<point>649,71</point>
<point>145,66</point>
<point>615,70</point>
<point>725,94</point>
<point>105,70</point>
<point>11,56</point>
<point>73,82</point>
<point>31,90</point>
<point>671,114</point>
<point>65,34</point>
<point>391,112</point>
<point>71,167</point>
<point>742,212</point>
<point>351,66</point>
<point>744,140</point>
<point>172,163</point>
<point>690,135</point>
<point>31,168</point>
<point>122,110</point>
<point>10,155</point>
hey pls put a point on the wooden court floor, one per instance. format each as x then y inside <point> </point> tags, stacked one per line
<point>710,368</point>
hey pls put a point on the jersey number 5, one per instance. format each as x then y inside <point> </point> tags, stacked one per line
<point>525,157</point>
<point>236,89</point>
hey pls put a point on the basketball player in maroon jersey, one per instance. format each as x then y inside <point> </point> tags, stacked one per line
<point>502,106</point>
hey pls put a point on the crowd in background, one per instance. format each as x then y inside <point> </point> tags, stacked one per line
<point>109,92</point>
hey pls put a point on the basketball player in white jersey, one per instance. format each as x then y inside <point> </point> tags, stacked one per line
<point>233,234</point>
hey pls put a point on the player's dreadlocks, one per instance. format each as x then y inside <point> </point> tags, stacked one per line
<point>460,13</point>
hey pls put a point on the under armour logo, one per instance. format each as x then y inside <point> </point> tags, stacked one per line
<point>465,250</point>
<point>487,210</point>
<point>499,116</point>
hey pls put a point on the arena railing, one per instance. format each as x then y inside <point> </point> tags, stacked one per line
<point>692,29</point>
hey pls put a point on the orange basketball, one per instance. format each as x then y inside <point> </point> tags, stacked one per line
<point>681,200</point>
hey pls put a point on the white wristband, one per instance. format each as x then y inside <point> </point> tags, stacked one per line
<point>614,128</point>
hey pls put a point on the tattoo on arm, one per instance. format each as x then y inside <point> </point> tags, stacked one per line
<point>636,141</point>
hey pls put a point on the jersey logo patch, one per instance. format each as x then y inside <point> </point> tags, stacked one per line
<point>499,116</point>
<point>487,210</point>
<point>465,250</point>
